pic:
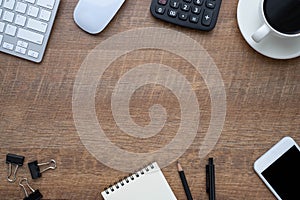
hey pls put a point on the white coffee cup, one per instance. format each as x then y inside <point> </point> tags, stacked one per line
<point>266,29</point>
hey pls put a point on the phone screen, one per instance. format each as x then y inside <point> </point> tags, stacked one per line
<point>284,174</point>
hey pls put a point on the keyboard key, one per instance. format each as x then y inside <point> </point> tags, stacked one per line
<point>33,54</point>
<point>0,12</point>
<point>10,30</point>
<point>37,25</point>
<point>33,11</point>
<point>21,7</point>
<point>30,36</point>
<point>45,15</point>
<point>22,44</point>
<point>30,1</point>
<point>9,4</point>
<point>0,2</point>
<point>1,36</point>
<point>8,46</point>
<point>46,3</point>
<point>2,27</point>
<point>20,20</point>
<point>8,16</point>
<point>20,50</point>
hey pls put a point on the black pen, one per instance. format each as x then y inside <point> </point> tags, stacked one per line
<point>210,179</point>
<point>184,182</point>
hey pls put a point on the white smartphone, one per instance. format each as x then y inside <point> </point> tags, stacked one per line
<point>279,169</point>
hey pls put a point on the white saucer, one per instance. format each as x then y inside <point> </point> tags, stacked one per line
<point>272,46</point>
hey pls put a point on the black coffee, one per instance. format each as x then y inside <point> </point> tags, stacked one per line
<point>283,15</point>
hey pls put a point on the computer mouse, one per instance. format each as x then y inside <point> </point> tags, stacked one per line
<point>93,16</point>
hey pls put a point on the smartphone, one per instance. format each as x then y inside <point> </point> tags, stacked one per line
<point>279,169</point>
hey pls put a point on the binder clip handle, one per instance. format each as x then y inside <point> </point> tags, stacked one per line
<point>51,163</point>
<point>13,159</point>
<point>35,170</point>
<point>25,180</point>
<point>34,195</point>
<point>12,177</point>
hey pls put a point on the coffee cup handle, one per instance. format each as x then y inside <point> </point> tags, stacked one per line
<point>261,33</point>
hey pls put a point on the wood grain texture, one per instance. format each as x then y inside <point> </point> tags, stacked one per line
<point>263,105</point>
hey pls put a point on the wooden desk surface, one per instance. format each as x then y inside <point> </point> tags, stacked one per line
<point>263,105</point>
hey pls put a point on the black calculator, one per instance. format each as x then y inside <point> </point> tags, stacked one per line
<point>195,14</point>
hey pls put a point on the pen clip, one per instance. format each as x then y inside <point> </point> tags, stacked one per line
<point>207,179</point>
<point>210,179</point>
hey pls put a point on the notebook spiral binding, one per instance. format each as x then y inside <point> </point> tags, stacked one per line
<point>128,179</point>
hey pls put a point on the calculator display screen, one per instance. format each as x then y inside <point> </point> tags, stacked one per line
<point>284,174</point>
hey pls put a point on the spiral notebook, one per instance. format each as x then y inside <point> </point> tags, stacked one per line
<point>148,183</point>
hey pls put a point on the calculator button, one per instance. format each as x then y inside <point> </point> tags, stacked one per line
<point>198,2</point>
<point>207,17</point>
<point>196,10</point>
<point>185,7</point>
<point>188,1</point>
<point>211,4</point>
<point>160,10</point>
<point>194,19</point>
<point>183,16</point>
<point>172,13</point>
<point>162,2</point>
<point>174,4</point>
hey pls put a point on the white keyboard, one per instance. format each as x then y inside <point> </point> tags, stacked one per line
<point>25,27</point>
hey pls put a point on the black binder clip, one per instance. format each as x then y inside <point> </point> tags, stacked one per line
<point>34,195</point>
<point>35,170</point>
<point>12,159</point>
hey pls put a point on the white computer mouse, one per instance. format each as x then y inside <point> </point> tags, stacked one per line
<point>94,15</point>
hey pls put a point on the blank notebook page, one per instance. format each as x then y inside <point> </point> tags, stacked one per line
<point>148,184</point>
